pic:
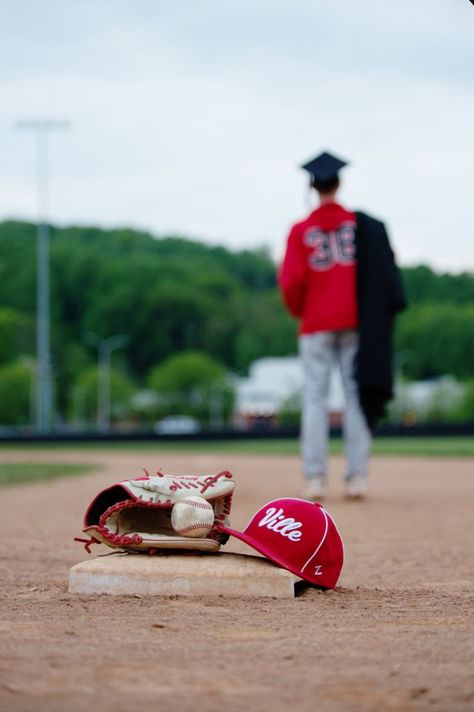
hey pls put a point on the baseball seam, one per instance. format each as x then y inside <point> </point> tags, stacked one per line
<point>191,527</point>
<point>199,505</point>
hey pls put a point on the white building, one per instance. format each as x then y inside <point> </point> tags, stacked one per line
<point>276,383</point>
<point>418,399</point>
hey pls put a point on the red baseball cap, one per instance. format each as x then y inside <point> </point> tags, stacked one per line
<point>297,535</point>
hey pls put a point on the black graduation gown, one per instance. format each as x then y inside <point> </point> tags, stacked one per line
<point>380,295</point>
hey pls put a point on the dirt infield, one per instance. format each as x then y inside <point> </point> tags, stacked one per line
<point>397,634</point>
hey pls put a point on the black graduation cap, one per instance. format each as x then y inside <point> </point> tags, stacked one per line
<point>324,168</point>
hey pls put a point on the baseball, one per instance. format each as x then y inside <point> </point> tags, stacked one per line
<point>193,517</point>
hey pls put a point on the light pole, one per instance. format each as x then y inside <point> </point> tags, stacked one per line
<point>104,347</point>
<point>44,397</point>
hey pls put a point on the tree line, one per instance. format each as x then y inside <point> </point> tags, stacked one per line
<point>172,295</point>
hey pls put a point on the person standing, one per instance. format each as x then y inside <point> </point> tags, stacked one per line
<point>339,278</point>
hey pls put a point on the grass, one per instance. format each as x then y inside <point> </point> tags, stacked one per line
<point>21,472</point>
<point>462,446</point>
<point>422,447</point>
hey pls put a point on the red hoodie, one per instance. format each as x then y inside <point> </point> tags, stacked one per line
<point>318,274</point>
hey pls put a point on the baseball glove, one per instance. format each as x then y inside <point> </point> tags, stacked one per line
<point>135,515</point>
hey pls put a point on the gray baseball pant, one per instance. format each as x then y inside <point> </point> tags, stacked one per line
<point>319,351</point>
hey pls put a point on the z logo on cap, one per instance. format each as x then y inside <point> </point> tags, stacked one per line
<point>276,521</point>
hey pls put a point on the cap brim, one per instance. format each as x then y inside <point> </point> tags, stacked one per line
<point>262,549</point>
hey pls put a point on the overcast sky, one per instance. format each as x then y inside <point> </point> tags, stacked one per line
<point>192,117</point>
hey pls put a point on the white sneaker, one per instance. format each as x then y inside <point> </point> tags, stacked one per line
<point>315,489</point>
<point>356,488</point>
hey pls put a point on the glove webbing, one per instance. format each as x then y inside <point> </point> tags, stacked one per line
<point>190,482</point>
